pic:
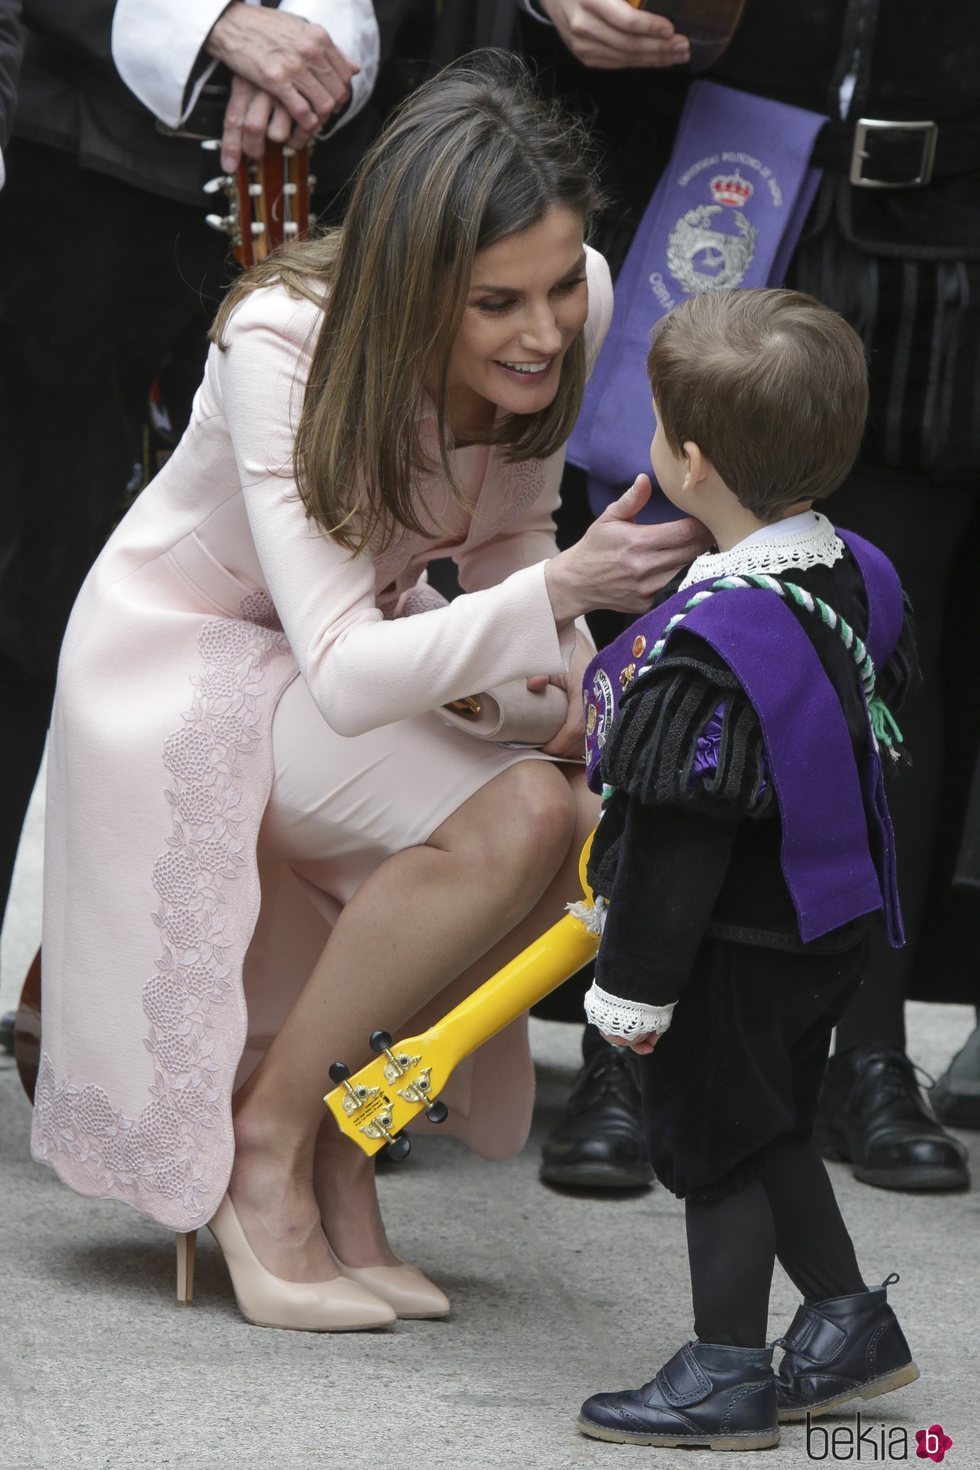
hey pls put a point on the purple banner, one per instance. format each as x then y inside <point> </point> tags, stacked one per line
<point>727,212</point>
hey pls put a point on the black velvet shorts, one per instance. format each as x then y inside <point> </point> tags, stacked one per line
<point>743,1061</point>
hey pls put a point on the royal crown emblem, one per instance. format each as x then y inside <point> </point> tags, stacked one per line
<point>731,189</point>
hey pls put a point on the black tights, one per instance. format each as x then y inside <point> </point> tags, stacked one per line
<point>787,1212</point>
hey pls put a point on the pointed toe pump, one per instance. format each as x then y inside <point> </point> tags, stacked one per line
<point>340,1305</point>
<point>411,1294</point>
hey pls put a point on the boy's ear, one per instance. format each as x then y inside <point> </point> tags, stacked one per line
<point>697,465</point>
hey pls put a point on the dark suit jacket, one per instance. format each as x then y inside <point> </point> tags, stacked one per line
<point>10,54</point>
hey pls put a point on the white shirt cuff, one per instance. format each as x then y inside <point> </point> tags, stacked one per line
<point>626,1019</point>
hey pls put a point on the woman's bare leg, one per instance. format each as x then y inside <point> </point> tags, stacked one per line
<point>490,878</point>
<point>343,1175</point>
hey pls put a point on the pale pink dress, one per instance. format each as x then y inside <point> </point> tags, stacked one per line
<point>222,651</point>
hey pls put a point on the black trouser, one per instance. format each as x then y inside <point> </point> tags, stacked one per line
<point>787,1212</point>
<point>103,289</point>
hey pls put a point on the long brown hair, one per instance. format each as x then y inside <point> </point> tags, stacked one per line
<point>473,156</point>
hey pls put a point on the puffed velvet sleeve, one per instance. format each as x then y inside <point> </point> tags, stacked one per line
<point>362,671</point>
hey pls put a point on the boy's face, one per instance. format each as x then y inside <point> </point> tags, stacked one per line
<point>669,468</point>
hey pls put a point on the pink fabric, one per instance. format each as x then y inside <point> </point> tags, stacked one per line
<point>210,597</point>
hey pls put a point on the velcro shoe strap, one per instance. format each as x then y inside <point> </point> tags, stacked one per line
<point>683,1380</point>
<point>814,1337</point>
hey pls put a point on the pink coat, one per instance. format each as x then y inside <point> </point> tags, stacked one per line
<point>212,595</point>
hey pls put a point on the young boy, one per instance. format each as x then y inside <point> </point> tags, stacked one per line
<point>743,849</point>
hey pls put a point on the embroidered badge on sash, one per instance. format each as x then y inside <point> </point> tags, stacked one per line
<point>703,256</point>
<point>603,691</point>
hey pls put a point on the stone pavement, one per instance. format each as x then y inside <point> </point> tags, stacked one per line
<point>554,1296</point>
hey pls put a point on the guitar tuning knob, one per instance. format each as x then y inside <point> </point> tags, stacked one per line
<point>224,182</point>
<point>399,1148</point>
<point>290,229</point>
<point>257,229</point>
<point>338,1072</point>
<point>437,1112</point>
<point>380,1041</point>
<point>311,181</point>
<point>226,224</point>
<point>210,145</point>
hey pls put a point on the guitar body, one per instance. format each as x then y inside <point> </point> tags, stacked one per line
<point>708,24</point>
<point>27,1029</point>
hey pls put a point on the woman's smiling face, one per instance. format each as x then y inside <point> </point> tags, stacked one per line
<point>527,302</point>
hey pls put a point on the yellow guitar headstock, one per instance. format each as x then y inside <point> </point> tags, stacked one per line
<point>389,1092</point>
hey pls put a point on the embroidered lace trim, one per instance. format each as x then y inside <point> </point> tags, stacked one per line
<point>628,1019</point>
<point>817,546</point>
<point>158,1156</point>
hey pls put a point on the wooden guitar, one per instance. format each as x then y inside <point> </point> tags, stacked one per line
<point>373,1106</point>
<point>268,200</point>
<point>708,24</point>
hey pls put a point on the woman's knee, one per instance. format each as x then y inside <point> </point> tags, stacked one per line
<point>525,817</point>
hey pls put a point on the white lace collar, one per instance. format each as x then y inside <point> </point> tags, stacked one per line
<point>797,543</point>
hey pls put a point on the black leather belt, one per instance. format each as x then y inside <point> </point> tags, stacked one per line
<point>880,153</point>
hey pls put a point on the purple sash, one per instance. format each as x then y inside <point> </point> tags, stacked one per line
<point>838,851</point>
<point>727,212</point>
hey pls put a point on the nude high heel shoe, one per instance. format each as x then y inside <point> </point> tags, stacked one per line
<point>403,1287</point>
<point>341,1305</point>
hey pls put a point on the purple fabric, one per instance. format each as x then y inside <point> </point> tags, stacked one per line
<point>706,751</point>
<point>838,850</point>
<point>727,212</point>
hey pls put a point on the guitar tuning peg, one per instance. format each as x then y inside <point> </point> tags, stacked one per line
<point>338,1072</point>
<point>399,1148</point>
<point>380,1041</point>
<point>288,152</point>
<point>223,181</point>
<point>437,1112</point>
<point>258,228</point>
<point>290,188</point>
<point>311,181</point>
<point>227,224</point>
<point>290,229</point>
<point>210,145</point>
<point>255,190</point>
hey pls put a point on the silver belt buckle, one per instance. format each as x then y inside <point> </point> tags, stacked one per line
<point>865,125</point>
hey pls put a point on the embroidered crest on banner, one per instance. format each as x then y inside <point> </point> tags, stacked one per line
<point>703,253</point>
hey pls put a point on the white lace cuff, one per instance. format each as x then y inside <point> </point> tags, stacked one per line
<point>628,1019</point>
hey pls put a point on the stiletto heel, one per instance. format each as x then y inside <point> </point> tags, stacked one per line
<point>341,1305</point>
<point>403,1287</point>
<point>186,1252</point>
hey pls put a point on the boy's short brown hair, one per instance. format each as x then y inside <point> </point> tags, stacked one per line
<point>771,385</point>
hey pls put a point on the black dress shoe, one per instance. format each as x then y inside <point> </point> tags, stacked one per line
<point>708,1396</point>
<point>844,1348</point>
<point>956,1095</point>
<point>598,1141</point>
<point>873,1115</point>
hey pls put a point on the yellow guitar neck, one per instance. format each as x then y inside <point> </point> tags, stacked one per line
<point>373,1106</point>
<point>533,974</point>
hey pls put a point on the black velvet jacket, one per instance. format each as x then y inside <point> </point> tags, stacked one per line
<point>680,853</point>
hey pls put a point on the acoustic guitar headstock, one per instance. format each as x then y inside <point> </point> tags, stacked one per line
<point>268,200</point>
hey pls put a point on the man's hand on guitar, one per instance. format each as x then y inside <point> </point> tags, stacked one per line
<point>610,34</point>
<point>289,79</point>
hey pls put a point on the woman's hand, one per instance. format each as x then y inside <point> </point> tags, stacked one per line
<point>618,564</point>
<point>569,743</point>
<point>643,1045</point>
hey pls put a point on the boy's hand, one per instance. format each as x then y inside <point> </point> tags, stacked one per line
<point>643,1045</point>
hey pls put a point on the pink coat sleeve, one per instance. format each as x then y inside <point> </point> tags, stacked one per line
<point>362,671</point>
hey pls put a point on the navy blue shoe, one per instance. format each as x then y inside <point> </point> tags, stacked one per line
<point>841,1349</point>
<point>707,1396</point>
